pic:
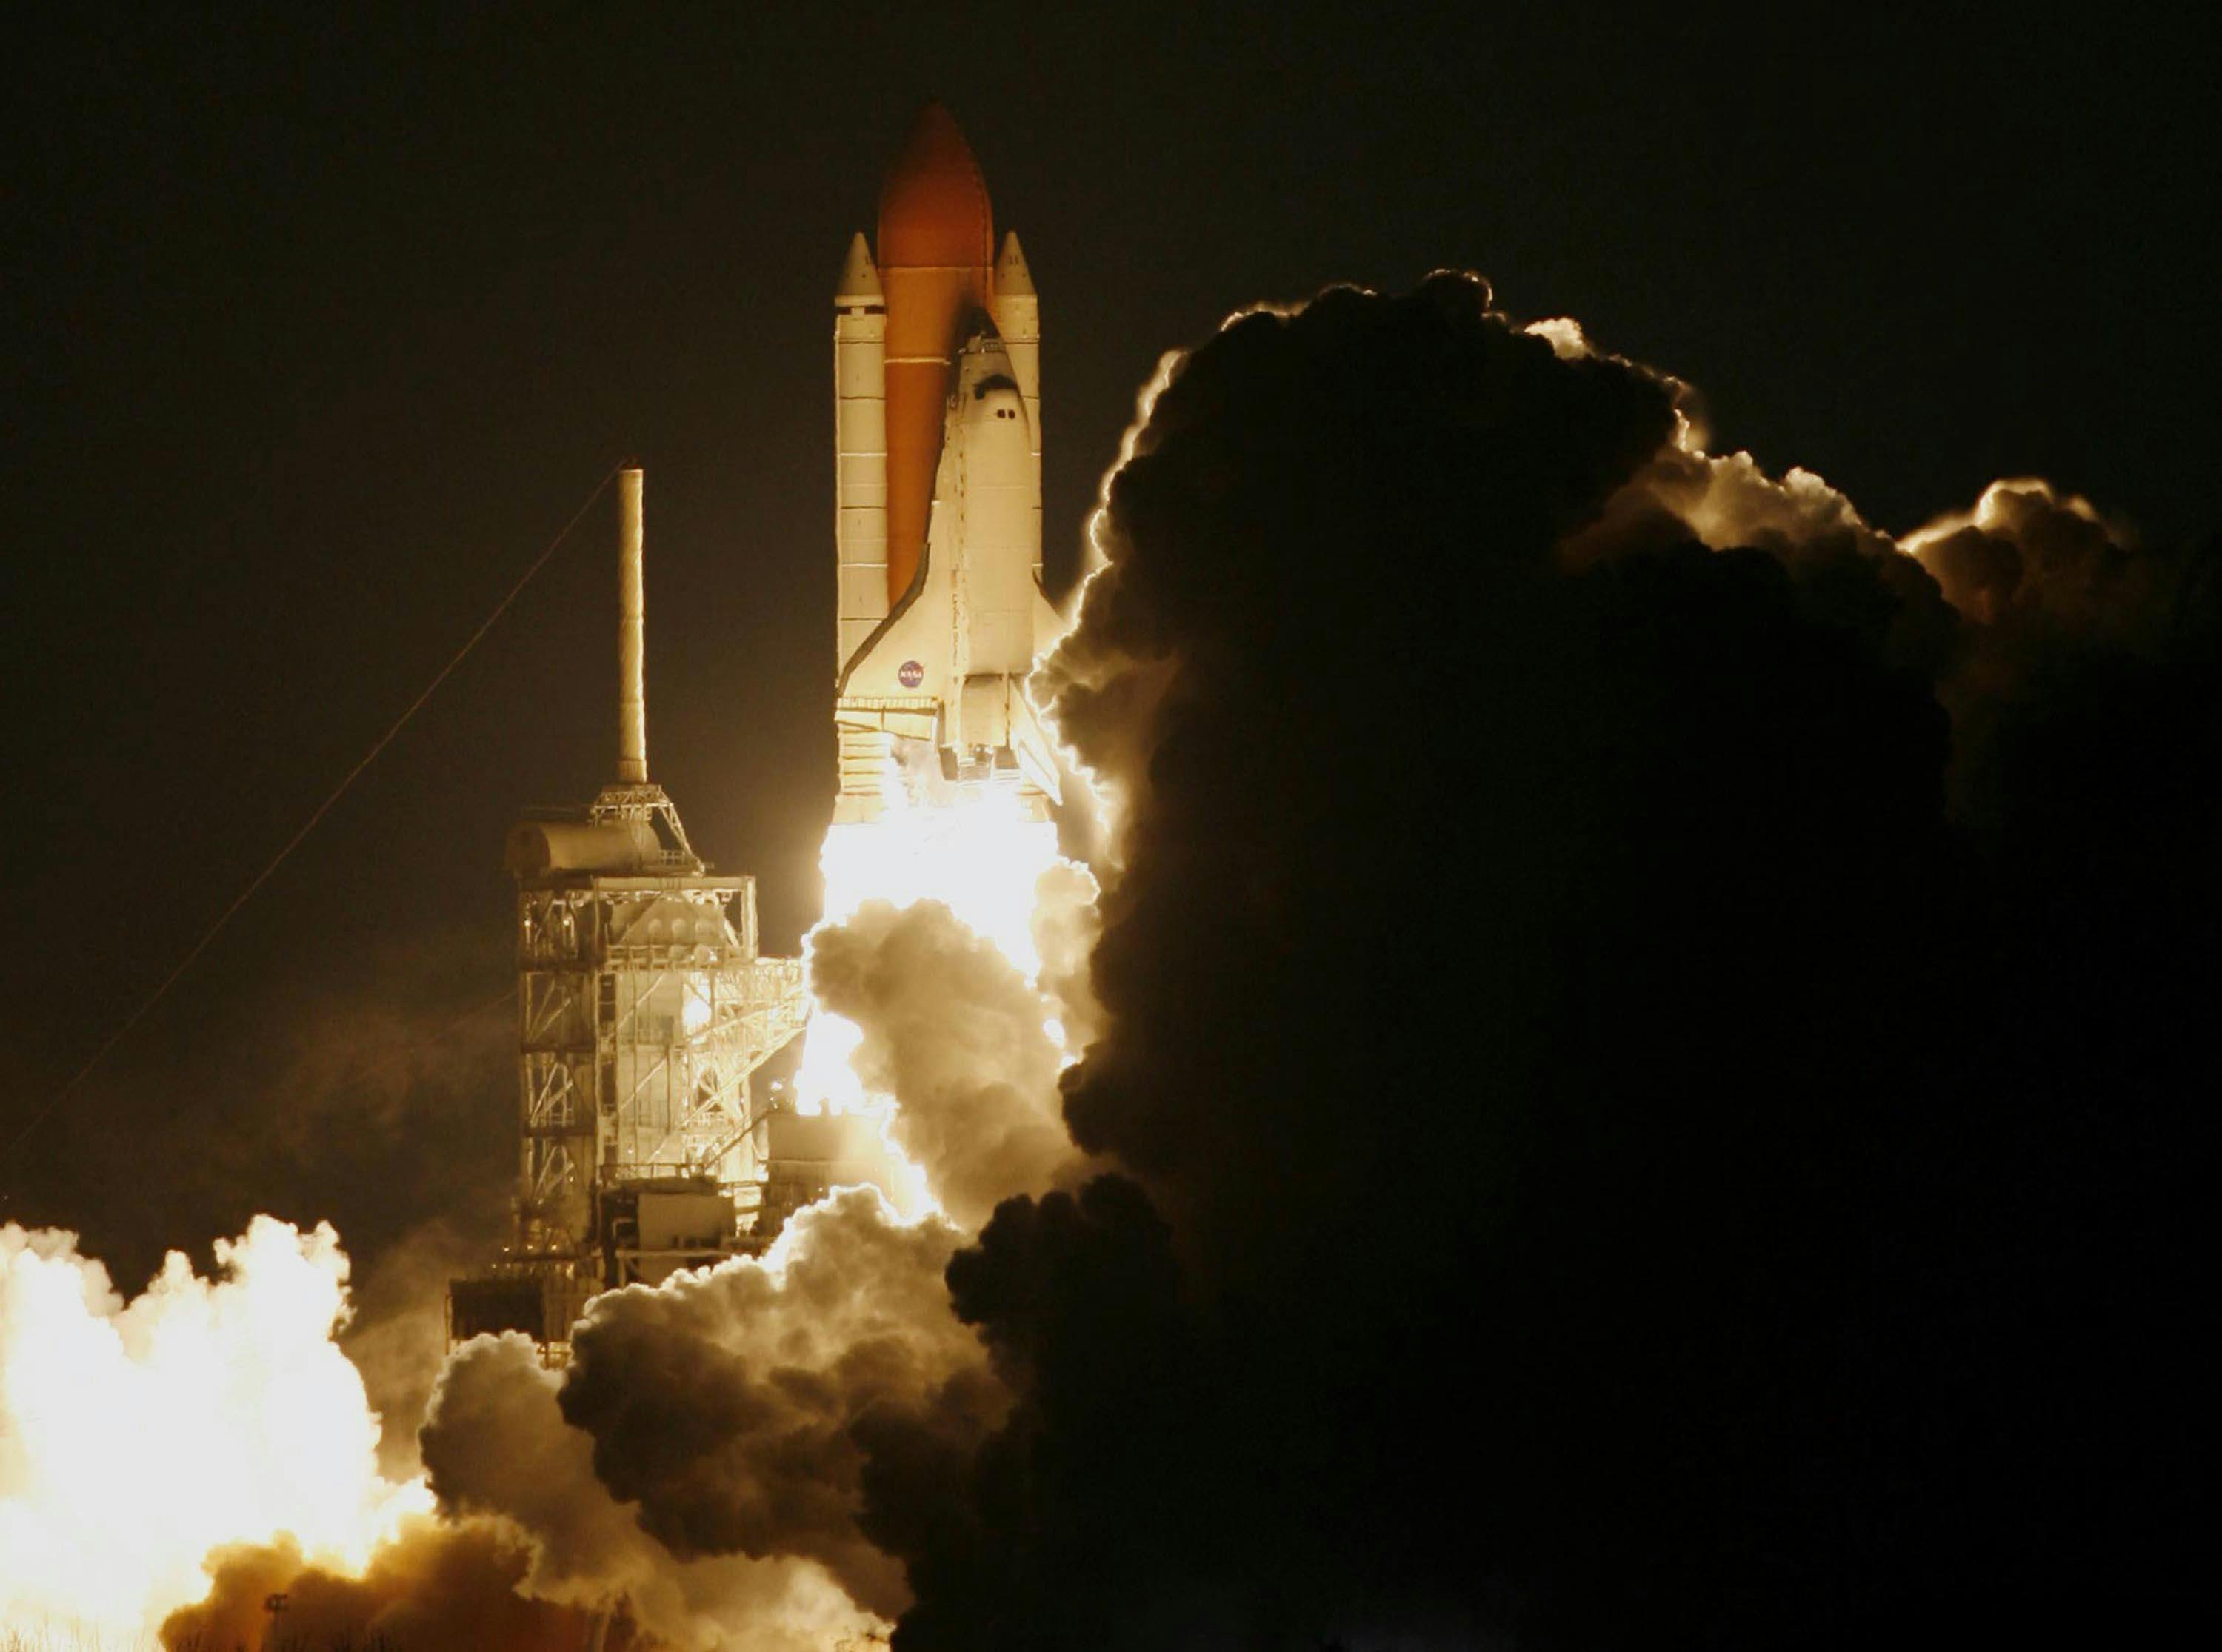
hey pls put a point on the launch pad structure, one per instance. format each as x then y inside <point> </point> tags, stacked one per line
<point>645,1012</point>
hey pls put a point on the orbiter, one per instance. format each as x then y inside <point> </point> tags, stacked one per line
<point>937,352</point>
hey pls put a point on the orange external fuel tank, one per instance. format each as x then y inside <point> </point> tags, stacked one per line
<point>937,259</point>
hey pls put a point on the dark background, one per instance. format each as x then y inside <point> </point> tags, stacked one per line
<point>318,327</point>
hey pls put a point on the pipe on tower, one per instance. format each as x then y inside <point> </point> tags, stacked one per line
<point>632,684</point>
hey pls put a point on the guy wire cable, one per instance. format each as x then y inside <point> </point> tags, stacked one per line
<point>15,1143</point>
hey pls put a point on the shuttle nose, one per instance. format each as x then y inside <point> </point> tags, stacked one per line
<point>933,207</point>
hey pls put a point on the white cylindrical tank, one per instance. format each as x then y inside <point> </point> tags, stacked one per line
<point>1018,318</point>
<point>860,447</point>
<point>537,848</point>
<point>632,686</point>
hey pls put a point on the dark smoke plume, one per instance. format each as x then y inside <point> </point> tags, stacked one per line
<point>436,1584</point>
<point>702,1461</point>
<point>1652,1108</point>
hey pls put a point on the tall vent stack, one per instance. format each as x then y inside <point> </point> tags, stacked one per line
<point>632,684</point>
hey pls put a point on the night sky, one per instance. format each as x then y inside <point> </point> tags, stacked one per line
<point>320,327</point>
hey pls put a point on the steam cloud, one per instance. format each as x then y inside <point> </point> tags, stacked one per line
<point>953,1030</point>
<point>435,1584</point>
<point>134,1438</point>
<point>498,1446</point>
<point>1647,1054</point>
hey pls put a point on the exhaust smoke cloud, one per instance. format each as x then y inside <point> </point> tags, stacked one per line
<point>136,1436</point>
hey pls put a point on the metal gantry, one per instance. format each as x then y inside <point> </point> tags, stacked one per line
<point>643,1011</point>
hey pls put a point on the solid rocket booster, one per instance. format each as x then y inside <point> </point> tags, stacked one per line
<point>938,507</point>
<point>860,440</point>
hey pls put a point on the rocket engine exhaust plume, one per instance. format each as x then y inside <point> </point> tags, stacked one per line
<point>137,1437</point>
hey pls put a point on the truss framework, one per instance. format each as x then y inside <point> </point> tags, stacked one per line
<point>644,1012</point>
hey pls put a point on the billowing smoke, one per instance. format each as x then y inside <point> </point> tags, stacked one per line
<point>2083,699</point>
<point>137,1437</point>
<point>499,1447</point>
<point>703,1458</point>
<point>2027,552</point>
<point>1065,927</point>
<point>1651,1037</point>
<point>958,1034</point>
<point>397,1332</point>
<point>436,1583</point>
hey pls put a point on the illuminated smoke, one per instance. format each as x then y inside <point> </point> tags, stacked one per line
<point>701,1459</point>
<point>983,858</point>
<point>397,1332</point>
<point>1067,921</point>
<point>135,1437</point>
<point>949,1025</point>
<point>434,1584</point>
<point>2026,549</point>
<point>497,1444</point>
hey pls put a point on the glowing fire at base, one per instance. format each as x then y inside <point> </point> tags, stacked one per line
<point>982,856</point>
<point>134,1438</point>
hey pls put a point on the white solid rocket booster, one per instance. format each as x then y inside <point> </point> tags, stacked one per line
<point>860,446</point>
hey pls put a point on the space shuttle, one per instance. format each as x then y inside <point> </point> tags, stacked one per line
<point>936,366</point>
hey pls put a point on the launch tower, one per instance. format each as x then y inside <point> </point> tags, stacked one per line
<point>644,1010</point>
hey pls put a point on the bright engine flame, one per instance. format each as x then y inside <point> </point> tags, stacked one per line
<point>982,857</point>
<point>136,1437</point>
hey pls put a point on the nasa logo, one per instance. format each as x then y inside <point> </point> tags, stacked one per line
<point>910,675</point>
